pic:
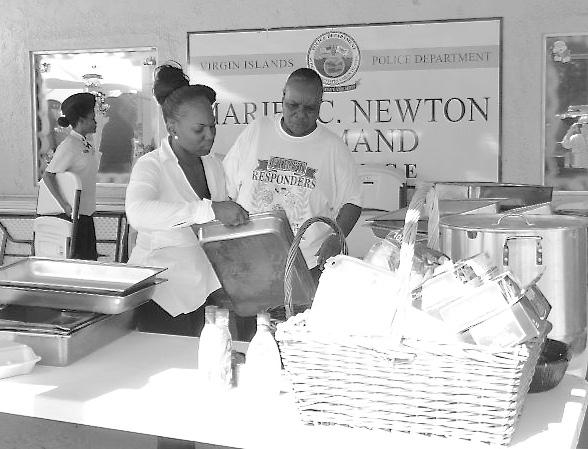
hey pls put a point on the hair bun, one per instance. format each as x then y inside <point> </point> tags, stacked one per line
<point>63,122</point>
<point>207,91</point>
<point>168,77</point>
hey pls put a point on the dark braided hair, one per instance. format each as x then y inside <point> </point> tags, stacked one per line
<point>172,90</point>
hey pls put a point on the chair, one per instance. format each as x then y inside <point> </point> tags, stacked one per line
<point>16,237</point>
<point>55,236</point>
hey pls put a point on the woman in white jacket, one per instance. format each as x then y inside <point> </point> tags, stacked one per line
<point>172,188</point>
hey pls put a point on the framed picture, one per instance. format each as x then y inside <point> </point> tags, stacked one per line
<point>423,97</point>
<point>565,111</point>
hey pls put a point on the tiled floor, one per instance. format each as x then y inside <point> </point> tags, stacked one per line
<point>27,433</point>
<point>17,432</point>
<point>583,441</point>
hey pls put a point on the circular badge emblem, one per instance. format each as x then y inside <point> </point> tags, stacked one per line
<point>335,56</point>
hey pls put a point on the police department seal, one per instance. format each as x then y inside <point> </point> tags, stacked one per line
<point>335,56</point>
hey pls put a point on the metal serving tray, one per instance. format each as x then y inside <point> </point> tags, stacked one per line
<point>392,221</point>
<point>62,349</point>
<point>73,275</point>
<point>510,195</point>
<point>44,320</point>
<point>250,262</point>
<point>80,301</point>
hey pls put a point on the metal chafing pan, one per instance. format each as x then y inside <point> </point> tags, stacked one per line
<point>44,320</point>
<point>250,262</point>
<point>78,276</point>
<point>80,301</point>
<point>61,337</point>
<point>509,195</point>
<point>391,221</point>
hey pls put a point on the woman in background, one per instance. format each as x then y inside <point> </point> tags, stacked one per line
<point>172,188</point>
<point>75,154</point>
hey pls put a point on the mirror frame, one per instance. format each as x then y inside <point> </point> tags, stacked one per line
<point>146,107</point>
<point>565,100</point>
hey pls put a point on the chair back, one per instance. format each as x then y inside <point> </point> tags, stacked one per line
<point>53,236</point>
<point>70,186</point>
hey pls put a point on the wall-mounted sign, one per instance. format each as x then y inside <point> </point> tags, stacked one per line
<point>424,96</point>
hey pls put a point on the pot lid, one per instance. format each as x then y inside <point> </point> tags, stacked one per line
<point>512,222</point>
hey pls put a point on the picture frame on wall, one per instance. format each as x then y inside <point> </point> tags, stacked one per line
<point>565,111</point>
<point>422,97</point>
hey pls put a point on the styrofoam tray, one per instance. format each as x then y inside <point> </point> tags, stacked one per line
<point>16,359</point>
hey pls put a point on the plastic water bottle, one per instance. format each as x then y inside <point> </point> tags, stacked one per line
<point>223,374</point>
<point>263,365</point>
<point>206,347</point>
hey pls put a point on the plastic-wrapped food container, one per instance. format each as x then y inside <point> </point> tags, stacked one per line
<point>538,301</point>
<point>16,359</point>
<point>354,298</point>
<point>479,265</point>
<point>482,302</point>
<point>517,324</point>
<point>443,288</point>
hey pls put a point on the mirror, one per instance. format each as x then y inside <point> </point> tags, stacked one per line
<point>127,114</point>
<point>565,106</point>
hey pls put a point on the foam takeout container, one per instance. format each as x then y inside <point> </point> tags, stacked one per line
<point>16,358</point>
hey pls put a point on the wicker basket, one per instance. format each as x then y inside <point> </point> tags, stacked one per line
<point>282,313</point>
<point>447,389</point>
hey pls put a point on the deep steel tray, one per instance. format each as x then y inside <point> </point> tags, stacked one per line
<point>509,195</point>
<point>78,276</point>
<point>44,320</point>
<point>59,349</point>
<point>391,221</point>
<point>80,301</point>
<point>250,262</point>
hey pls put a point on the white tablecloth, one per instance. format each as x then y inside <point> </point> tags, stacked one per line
<point>149,384</point>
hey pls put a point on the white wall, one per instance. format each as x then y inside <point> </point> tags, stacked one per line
<point>57,24</point>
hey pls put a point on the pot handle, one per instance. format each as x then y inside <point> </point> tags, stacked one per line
<point>513,214</point>
<point>538,248</point>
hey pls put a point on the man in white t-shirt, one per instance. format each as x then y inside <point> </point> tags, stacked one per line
<point>576,140</point>
<point>293,163</point>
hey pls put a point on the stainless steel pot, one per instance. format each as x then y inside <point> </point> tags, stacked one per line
<point>529,245</point>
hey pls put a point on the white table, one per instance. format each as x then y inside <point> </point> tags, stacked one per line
<point>149,384</point>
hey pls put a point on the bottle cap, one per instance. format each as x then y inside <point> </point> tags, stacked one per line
<point>210,313</point>
<point>222,316</point>
<point>263,318</point>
